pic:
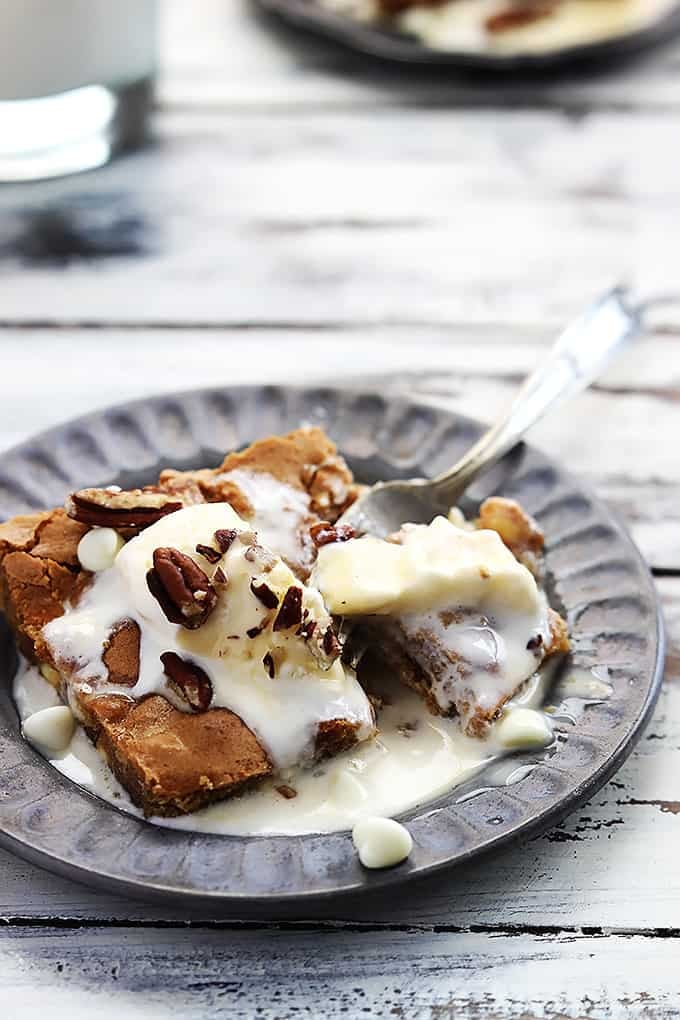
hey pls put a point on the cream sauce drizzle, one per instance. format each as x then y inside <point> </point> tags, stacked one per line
<point>415,758</point>
<point>284,710</point>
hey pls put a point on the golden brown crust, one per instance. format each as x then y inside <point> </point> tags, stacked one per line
<point>171,762</point>
<point>19,533</point>
<point>305,459</point>
<point>33,592</point>
<point>57,537</point>
<point>559,635</point>
<point>518,529</point>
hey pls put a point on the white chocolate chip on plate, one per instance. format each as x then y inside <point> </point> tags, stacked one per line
<point>98,548</point>
<point>381,842</point>
<point>524,728</point>
<point>50,729</point>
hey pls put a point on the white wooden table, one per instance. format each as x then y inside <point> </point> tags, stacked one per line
<point>303,216</point>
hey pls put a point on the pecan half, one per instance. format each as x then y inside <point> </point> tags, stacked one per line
<point>324,533</point>
<point>135,508</point>
<point>266,596</point>
<point>290,613</point>
<point>188,680</point>
<point>181,588</point>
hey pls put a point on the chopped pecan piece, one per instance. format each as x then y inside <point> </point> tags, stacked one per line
<point>262,557</point>
<point>290,613</point>
<point>324,533</point>
<point>266,596</point>
<point>220,578</point>
<point>182,589</point>
<point>268,663</point>
<point>208,553</point>
<point>224,538</point>
<point>188,680</point>
<point>104,508</point>
<point>534,644</point>
<point>286,791</point>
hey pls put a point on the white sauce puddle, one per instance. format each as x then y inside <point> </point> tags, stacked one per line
<point>416,758</point>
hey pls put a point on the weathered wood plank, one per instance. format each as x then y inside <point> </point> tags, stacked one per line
<point>221,55</point>
<point>285,974</point>
<point>410,216</point>
<point>611,864</point>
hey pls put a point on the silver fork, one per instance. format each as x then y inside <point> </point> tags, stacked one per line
<point>577,358</point>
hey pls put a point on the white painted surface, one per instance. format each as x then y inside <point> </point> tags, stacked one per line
<point>307,218</point>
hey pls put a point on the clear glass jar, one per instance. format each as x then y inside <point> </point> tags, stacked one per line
<point>76,81</point>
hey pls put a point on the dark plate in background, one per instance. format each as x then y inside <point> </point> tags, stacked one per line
<point>595,571</point>
<point>389,44</point>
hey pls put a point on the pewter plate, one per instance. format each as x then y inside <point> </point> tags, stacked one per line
<point>385,43</point>
<point>595,572</point>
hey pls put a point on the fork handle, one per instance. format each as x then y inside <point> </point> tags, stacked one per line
<point>578,357</point>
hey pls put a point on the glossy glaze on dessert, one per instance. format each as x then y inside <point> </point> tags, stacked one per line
<point>460,592</point>
<point>415,758</point>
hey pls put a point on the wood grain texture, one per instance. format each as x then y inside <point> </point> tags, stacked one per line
<point>281,974</point>
<point>403,216</point>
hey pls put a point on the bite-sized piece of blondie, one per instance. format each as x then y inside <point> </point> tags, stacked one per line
<point>170,761</point>
<point>449,608</point>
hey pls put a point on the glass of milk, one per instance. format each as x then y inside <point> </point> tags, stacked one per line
<point>75,83</point>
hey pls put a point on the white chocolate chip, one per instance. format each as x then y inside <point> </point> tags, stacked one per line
<point>98,548</point>
<point>524,728</point>
<point>381,842</point>
<point>50,729</point>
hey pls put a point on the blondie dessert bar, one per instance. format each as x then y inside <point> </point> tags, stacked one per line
<point>136,683</point>
<point>193,626</point>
